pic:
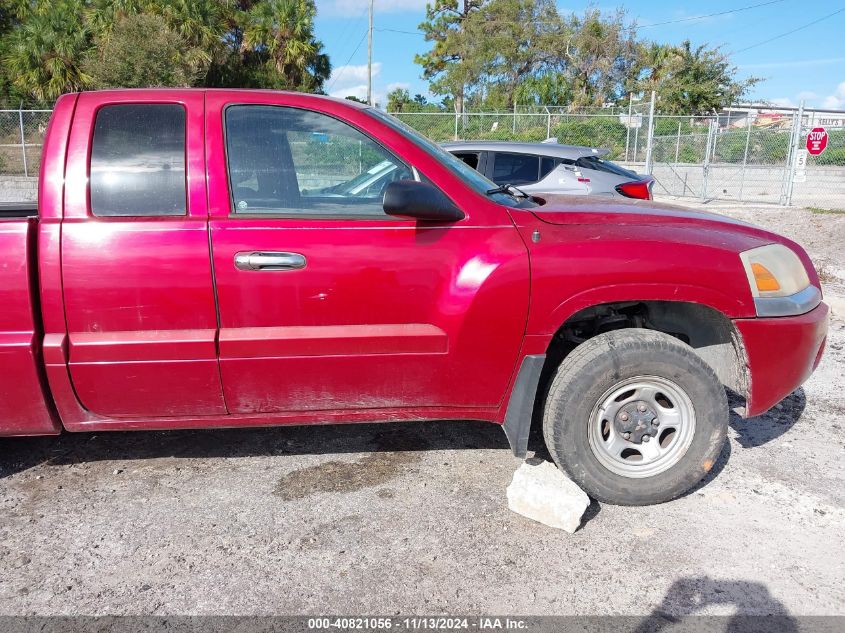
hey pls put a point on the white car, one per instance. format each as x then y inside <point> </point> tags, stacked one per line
<point>537,168</point>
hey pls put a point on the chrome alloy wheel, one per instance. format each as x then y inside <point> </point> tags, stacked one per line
<point>641,426</point>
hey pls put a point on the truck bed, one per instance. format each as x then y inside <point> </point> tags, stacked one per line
<point>24,408</point>
<point>17,210</point>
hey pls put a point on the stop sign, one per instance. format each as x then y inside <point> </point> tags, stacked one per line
<point>817,141</point>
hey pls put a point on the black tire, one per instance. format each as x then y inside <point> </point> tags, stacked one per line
<point>585,377</point>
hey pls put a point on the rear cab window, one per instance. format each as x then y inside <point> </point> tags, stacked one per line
<point>138,161</point>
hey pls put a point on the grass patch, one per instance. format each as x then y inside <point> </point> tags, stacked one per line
<point>821,211</point>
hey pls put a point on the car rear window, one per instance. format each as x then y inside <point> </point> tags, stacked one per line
<point>138,160</point>
<point>599,164</point>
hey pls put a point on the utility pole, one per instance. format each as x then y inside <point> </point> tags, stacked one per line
<point>370,58</point>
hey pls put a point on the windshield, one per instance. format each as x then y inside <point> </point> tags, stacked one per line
<point>472,178</point>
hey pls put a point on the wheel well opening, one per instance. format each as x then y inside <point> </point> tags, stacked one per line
<point>709,332</point>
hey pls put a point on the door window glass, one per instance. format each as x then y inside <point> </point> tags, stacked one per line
<point>515,169</point>
<point>291,161</point>
<point>470,158</point>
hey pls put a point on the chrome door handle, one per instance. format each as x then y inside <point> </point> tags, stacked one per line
<point>263,260</point>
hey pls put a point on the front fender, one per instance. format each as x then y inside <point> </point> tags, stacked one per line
<point>730,306</point>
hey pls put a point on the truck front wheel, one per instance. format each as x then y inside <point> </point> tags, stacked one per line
<point>635,417</point>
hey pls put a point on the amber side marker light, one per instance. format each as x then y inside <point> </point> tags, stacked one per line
<point>764,279</point>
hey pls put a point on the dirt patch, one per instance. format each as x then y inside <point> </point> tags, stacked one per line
<point>372,470</point>
<point>335,476</point>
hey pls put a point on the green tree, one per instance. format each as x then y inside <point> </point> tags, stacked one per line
<point>48,47</point>
<point>698,80</point>
<point>513,40</point>
<point>43,54</point>
<point>9,20</point>
<point>398,100</point>
<point>279,35</point>
<point>140,51</point>
<point>449,64</point>
<point>599,52</point>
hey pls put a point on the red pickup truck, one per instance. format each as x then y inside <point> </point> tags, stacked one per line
<point>205,258</point>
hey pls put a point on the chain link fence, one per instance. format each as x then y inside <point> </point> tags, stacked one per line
<point>743,155</point>
<point>21,137</point>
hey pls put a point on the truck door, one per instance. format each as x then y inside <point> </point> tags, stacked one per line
<point>136,270</point>
<point>326,303</point>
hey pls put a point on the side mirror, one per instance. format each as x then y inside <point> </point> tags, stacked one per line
<point>419,200</point>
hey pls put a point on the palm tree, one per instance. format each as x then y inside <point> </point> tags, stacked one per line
<point>282,31</point>
<point>657,59</point>
<point>199,22</point>
<point>45,53</point>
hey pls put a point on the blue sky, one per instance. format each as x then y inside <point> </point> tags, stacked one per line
<point>808,64</point>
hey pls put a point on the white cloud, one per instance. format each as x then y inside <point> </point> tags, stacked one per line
<point>807,95</point>
<point>783,102</point>
<point>402,85</point>
<point>351,81</point>
<point>358,90</point>
<point>836,101</point>
<point>357,7</point>
<point>345,75</point>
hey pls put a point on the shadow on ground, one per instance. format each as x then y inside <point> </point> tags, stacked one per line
<point>753,432</point>
<point>755,608</point>
<point>20,454</point>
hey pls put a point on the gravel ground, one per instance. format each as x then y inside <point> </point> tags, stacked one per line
<point>412,518</point>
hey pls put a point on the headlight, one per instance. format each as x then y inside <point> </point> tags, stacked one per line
<point>779,282</point>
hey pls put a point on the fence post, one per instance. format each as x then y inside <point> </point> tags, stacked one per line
<point>548,123</point>
<point>706,165</point>
<point>793,154</point>
<point>456,125</point>
<point>678,144</point>
<point>23,143</point>
<point>628,127</point>
<point>650,142</point>
<point>745,156</point>
<point>716,136</point>
<point>636,144</point>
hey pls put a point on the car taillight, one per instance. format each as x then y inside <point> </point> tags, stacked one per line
<point>639,189</point>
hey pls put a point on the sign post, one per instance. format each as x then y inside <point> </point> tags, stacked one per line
<point>800,166</point>
<point>817,141</point>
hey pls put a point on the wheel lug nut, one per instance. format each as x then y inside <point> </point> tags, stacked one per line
<point>627,436</point>
<point>655,422</point>
<point>624,417</point>
<point>646,438</point>
<point>641,408</point>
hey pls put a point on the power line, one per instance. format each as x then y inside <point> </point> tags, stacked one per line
<point>800,28</point>
<point>343,39</point>
<point>398,31</point>
<point>710,15</point>
<point>643,26</point>
<point>346,65</point>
